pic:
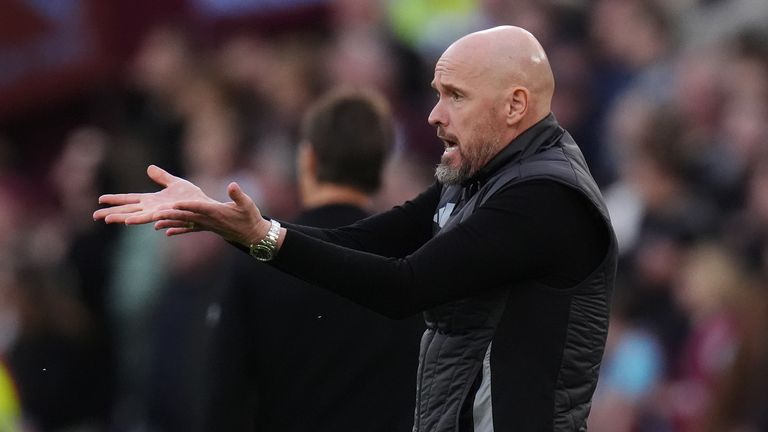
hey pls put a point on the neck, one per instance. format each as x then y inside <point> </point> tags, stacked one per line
<point>524,124</point>
<point>327,193</point>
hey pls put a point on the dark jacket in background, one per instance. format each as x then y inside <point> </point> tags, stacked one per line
<point>288,356</point>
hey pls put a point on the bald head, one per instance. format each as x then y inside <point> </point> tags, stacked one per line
<point>492,86</point>
<point>508,56</point>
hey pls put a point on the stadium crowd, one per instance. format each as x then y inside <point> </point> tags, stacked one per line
<point>100,326</point>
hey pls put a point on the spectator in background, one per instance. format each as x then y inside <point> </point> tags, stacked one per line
<point>275,82</point>
<point>186,311</point>
<point>720,301</point>
<point>632,42</point>
<point>51,302</point>
<point>632,371</point>
<point>671,219</point>
<point>739,399</point>
<point>748,229</point>
<point>744,118</point>
<point>149,117</point>
<point>290,357</point>
<point>149,123</point>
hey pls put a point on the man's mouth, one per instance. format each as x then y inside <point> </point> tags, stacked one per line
<point>450,144</point>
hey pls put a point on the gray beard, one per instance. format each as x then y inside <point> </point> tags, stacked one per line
<point>451,176</point>
<point>478,156</point>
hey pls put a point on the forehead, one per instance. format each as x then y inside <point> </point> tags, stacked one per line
<point>461,66</point>
<point>457,60</point>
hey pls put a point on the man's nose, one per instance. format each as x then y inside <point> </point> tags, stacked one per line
<point>437,116</point>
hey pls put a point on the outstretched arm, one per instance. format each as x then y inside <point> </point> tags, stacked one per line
<point>181,207</point>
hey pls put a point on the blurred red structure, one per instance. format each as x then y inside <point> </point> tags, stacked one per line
<point>52,51</point>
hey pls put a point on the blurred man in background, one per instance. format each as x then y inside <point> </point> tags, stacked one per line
<point>290,357</point>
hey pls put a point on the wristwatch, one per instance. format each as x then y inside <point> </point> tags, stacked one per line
<point>266,248</point>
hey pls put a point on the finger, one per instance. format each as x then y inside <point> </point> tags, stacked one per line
<point>161,176</point>
<point>123,209</point>
<point>110,215</point>
<point>237,195</point>
<point>115,218</point>
<point>199,207</point>
<point>177,231</point>
<point>166,223</point>
<point>101,214</point>
<point>122,217</point>
<point>138,218</point>
<point>119,199</point>
<point>182,216</point>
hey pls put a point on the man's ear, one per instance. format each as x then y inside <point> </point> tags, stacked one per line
<point>517,105</point>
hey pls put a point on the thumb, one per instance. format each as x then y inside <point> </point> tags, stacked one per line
<point>237,195</point>
<point>160,176</point>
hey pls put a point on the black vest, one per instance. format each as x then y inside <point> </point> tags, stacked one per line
<point>474,350</point>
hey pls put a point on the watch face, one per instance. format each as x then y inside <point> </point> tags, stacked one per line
<point>261,252</point>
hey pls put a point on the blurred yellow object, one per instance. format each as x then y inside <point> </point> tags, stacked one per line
<point>10,411</point>
<point>411,18</point>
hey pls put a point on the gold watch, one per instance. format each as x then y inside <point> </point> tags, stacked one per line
<point>266,248</point>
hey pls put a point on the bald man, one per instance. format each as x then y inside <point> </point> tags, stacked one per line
<point>510,254</point>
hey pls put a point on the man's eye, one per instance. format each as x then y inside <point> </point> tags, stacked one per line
<point>455,96</point>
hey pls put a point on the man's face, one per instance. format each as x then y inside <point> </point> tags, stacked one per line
<point>468,117</point>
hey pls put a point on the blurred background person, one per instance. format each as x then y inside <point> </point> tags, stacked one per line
<point>290,357</point>
<point>718,298</point>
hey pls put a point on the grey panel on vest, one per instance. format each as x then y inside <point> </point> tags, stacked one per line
<point>482,410</point>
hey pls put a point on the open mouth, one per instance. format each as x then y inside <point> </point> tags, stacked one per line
<point>450,145</point>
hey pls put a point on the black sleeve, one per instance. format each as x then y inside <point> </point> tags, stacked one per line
<point>394,233</point>
<point>538,230</point>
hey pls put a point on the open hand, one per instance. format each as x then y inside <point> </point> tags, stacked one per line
<point>181,207</point>
<point>138,208</point>
<point>238,221</point>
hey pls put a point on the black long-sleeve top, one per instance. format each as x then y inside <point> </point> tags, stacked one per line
<point>539,229</point>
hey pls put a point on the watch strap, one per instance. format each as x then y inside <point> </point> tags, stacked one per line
<point>266,248</point>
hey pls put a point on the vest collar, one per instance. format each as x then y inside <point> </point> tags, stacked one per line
<point>526,144</point>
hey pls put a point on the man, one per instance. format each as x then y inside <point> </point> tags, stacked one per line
<point>510,254</point>
<point>290,357</point>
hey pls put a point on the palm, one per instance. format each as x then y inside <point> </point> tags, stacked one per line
<point>138,208</point>
<point>181,207</point>
<point>180,190</point>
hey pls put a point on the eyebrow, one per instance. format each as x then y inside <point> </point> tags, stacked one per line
<point>447,86</point>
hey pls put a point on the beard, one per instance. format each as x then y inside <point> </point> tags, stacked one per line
<point>472,156</point>
<point>448,175</point>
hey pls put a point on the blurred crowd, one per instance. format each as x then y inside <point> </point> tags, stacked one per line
<point>667,99</point>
